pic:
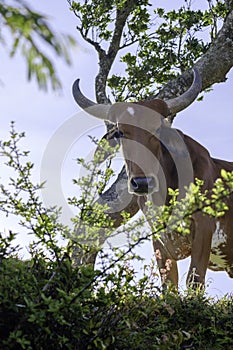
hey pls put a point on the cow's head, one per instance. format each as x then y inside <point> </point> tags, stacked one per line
<point>141,128</point>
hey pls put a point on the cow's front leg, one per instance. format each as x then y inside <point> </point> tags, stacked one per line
<point>200,253</point>
<point>166,264</point>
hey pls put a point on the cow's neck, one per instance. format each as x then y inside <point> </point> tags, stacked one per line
<point>168,177</point>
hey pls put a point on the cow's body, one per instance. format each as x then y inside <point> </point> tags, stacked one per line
<point>158,157</point>
<point>210,243</point>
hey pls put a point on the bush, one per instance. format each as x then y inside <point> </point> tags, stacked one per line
<point>81,309</point>
<point>52,302</point>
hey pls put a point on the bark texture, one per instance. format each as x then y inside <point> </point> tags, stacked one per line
<point>106,58</point>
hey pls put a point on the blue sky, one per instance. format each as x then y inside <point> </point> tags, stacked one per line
<point>42,114</point>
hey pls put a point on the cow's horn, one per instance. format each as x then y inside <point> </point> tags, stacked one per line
<point>179,103</point>
<point>97,110</point>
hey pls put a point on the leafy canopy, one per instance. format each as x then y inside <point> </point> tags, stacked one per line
<point>162,43</point>
<point>27,31</point>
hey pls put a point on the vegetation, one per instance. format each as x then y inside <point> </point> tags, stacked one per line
<point>155,45</point>
<point>48,302</point>
<point>113,314</point>
<point>27,31</point>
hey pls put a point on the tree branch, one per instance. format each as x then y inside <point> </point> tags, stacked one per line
<point>212,66</point>
<point>106,59</point>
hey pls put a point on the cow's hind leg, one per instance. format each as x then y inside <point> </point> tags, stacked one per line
<point>200,253</point>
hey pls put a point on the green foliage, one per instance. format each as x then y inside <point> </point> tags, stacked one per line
<point>28,31</point>
<point>115,315</point>
<point>96,17</point>
<point>172,43</point>
<point>21,197</point>
<point>48,302</point>
<point>162,43</point>
<point>92,217</point>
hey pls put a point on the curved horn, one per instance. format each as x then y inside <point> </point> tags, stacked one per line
<point>97,110</point>
<point>179,103</point>
<point>81,100</point>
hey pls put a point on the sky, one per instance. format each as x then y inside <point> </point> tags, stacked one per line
<point>57,131</point>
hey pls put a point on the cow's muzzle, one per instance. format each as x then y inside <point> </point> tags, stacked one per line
<point>144,185</point>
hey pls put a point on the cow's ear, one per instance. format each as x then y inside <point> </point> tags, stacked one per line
<point>173,141</point>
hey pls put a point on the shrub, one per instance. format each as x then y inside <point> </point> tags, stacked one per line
<point>50,301</point>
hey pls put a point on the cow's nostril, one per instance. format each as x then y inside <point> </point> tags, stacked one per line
<point>140,184</point>
<point>134,184</point>
<point>143,185</point>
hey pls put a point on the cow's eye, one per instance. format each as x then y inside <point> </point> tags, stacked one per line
<point>117,135</point>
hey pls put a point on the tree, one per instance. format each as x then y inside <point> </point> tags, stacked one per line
<point>161,50</point>
<point>161,47</point>
<point>26,31</point>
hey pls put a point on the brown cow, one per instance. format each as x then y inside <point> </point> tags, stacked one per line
<point>159,157</point>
